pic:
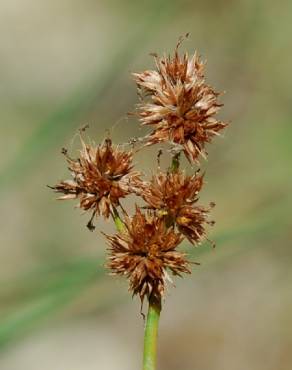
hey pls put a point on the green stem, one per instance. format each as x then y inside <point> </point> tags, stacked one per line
<point>175,163</point>
<point>151,333</point>
<point>118,221</point>
<point>119,224</point>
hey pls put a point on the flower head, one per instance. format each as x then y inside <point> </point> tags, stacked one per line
<point>174,195</point>
<point>144,252</point>
<point>182,108</point>
<point>101,177</point>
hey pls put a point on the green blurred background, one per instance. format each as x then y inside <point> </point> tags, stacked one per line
<point>65,63</point>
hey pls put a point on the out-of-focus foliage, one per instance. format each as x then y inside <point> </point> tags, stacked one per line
<point>67,63</point>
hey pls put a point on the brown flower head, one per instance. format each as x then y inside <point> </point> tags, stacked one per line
<point>144,252</point>
<point>101,176</point>
<point>174,195</point>
<point>183,107</point>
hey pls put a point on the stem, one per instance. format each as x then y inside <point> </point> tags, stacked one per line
<point>151,333</point>
<point>119,224</point>
<point>175,163</point>
<point>118,221</point>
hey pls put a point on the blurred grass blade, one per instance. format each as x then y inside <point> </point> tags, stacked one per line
<point>50,299</point>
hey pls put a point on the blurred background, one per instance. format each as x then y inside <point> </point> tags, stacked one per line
<point>66,63</point>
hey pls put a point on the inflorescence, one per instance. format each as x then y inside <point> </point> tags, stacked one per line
<point>181,110</point>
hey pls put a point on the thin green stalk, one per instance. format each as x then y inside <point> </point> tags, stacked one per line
<point>175,163</point>
<point>119,224</point>
<point>151,334</point>
<point>118,221</point>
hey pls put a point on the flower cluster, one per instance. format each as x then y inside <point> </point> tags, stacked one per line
<point>102,175</point>
<point>182,107</point>
<point>144,251</point>
<point>181,110</point>
<point>174,195</point>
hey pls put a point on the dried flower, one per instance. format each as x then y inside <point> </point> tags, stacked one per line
<point>144,252</point>
<point>101,177</point>
<point>183,107</point>
<point>174,195</point>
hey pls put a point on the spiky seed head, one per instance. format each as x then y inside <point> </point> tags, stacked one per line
<point>145,252</point>
<point>181,107</point>
<point>101,176</point>
<point>175,196</point>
